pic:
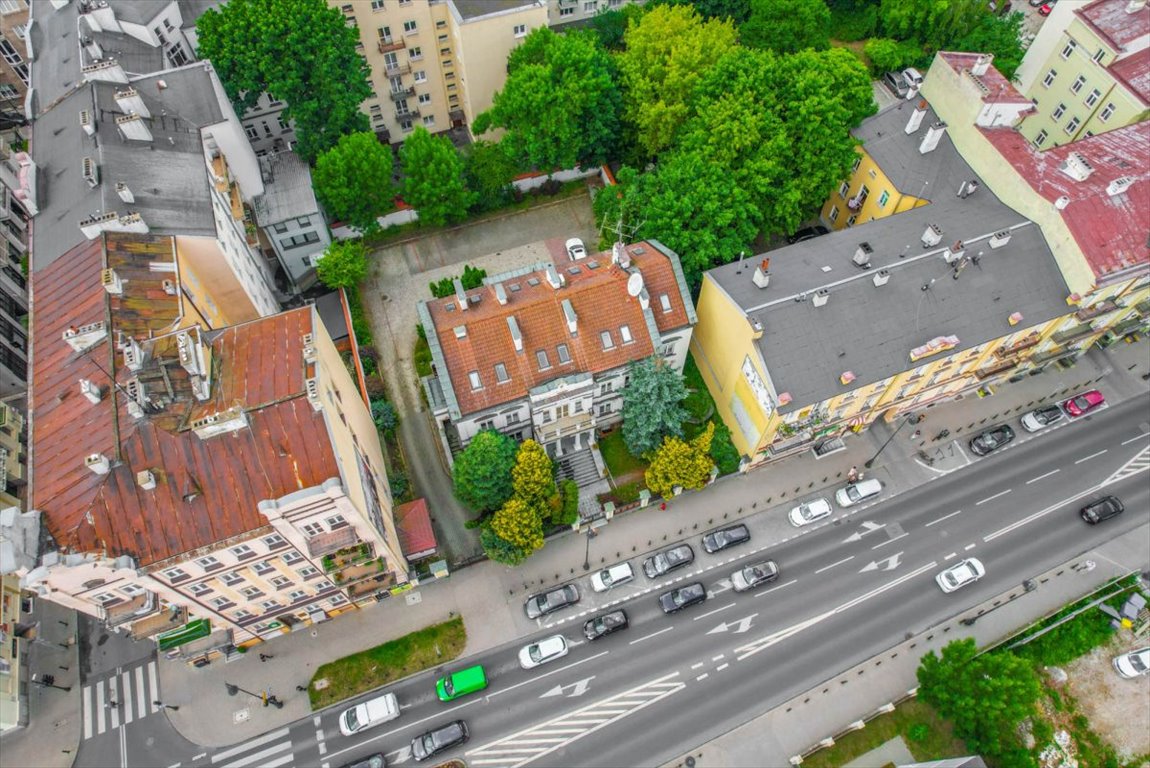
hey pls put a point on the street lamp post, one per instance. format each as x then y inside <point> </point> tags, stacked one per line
<point>264,697</point>
<point>587,552</point>
<point>49,681</point>
<point>870,462</point>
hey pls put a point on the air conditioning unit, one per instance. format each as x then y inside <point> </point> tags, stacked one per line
<point>90,172</point>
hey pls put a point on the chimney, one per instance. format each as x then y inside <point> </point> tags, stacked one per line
<point>932,236</point>
<point>460,294</point>
<point>569,315</point>
<point>83,337</point>
<point>104,17</point>
<point>620,256</point>
<point>92,47</point>
<point>1076,167</point>
<point>106,71</point>
<point>1015,318</point>
<point>90,391</point>
<point>862,255</point>
<point>516,336</point>
<point>999,239</point>
<point>882,277</point>
<point>1119,185</point>
<point>1062,202</point>
<point>125,193</point>
<point>133,355</point>
<point>146,480</point>
<point>954,252</point>
<point>981,65</point>
<point>554,279</point>
<point>756,327</point>
<point>98,463</point>
<point>134,127</point>
<point>762,276</point>
<point>821,297</point>
<point>87,123</point>
<point>169,287</point>
<point>90,172</point>
<point>916,117</point>
<point>191,352</point>
<point>500,294</point>
<point>933,136</point>
<point>644,299</point>
<point>111,282</point>
<point>130,102</point>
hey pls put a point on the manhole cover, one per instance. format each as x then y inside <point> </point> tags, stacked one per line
<point>241,716</point>
<point>413,598</point>
<point>320,684</point>
<point>384,297</point>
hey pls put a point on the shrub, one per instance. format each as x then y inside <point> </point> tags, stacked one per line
<point>376,390</point>
<point>359,324</point>
<point>569,509</point>
<point>888,55</point>
<point>1068,641</point>
<point>400,486</point>
<point>723,451</point>
<point>472,278</point>
<point>918,732</point>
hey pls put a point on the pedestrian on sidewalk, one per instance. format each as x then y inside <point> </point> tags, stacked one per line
<point>853,475</point>
<point>301,688</point>
<point>266,656</point>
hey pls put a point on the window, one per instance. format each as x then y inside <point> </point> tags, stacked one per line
<point>265,566</point>
<point>520,30</point>
<point>1093,98</point>
<point>1040,139</point>
<point>501,376</point>
<point>281,582</point>
<point>409,27</point>
<point>1078,83</point>
<point>541,357</point>
<point>420,76</point>
<point>11,6</point>
<point>1059,111</point>
<point>546,416</point>
<point>429,120</point>
<point>199,589</point>
<point>251,592</point>
<point>174,574</point>
<point>335,522</point>
<point>444,51</point>
<point>308,571</point>
<point>208,563</point>
<point>242,551</point>
<point>295,241</point>
<point>608,342</point>
<point>1049,79</point>
<point>605,409</point>
<point>273,541</point>
<point>241,614</point>
<point>844,190</point>
<point>1069,49</point>
<point>322,585</point>
<point>591,6</point>
<point>834,214</point>
<point>415,54</point>
<point>296,595</point>
<point>270,605</point>
<point>425,98</point>
<point>442,38</point>
<point>1101,54</point>
<point>219,602</point>
<point>883,199</point>
<point>377,5</point>
<point>564,354</point>
<point>131,590</point>
<point>405,125</point>
<point>231,578</point>
<point>1072,126</point>
<point>625,332</point>
<point>1107,112</point>
<point>290,557</point>
<point>11,55</point>
<point>106,597</point>
<point>566,12</point>
<point>312,529</point>
<point>513,418</point>
<point>473,378</point>
<point>440,24</point>
<point>282,123</point>
<point>252,133</point>
<point>8,91</point>
<point>337,600</point>
<point>486,424</point>
<point>851,221</point>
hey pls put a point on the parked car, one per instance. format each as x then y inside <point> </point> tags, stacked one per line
<point>991,440</point>
<point>1080,405</point>
<point>551,600</point>
<point>1103,509</point>
<point>668,560</point>
<point>608,578</point>
<point>896,84</point>
<point>913,77</point>
<point>1046,8</point>
<point>595,628</point>
<point>1133,664</point>
<point>546,650</point>
<point>853,493</point>
<point>754,575</point>
<point>724,538</point>
<point>439,740</point>
<point>807,233</point>
<point>371,761</point>
<point>1041,418</point>
<point>575,249</point>
<point>809,512</point>
<point>959,575</point>
<point>682,597</point>
<point>1037,3</point>
<point>368,714</point>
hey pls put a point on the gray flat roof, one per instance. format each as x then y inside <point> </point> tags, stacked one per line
<point>870,330</point>
<point>472,9</point>
<point>287,189</point>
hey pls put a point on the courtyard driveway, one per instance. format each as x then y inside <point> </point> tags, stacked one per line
<point>399,278</point>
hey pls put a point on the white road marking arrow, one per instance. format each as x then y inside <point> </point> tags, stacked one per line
<point>741,626</point>
<point>399,756</point>
<point>578,688</point>
<point>870,527</point>
<point>721,586</point>
<point>891,563</point>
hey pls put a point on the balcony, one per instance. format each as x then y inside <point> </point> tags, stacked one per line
<point>1099,308</point>
<point>130,610</point>
<point>403,93</point>
<point>411,114</point>
<point>390,44</point>
<point>342,558</point>
<point>395,70</point>
<point>327,543</point>
<point>1023,344</point>
<point>1077,332</point>
<point>1047,355</point>
<point>161,621</point>
<point>1143,307</point>
<point>994,370</point>
<point>370,586</point>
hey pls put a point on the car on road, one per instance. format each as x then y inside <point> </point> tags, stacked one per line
<point>550,601</point>
<point>608,578</point>
<point>807,233</point>
<point>598,627</point>
<point>439,740</point>
<point>1080,405</point>
<point>809,512</point>
<point>959,575</point>
<point>1102,509</point>
<point>369,714</point>
<point>724,538</point>
<point>682,597</point>
<point>575,249</point>
<point>754,575</point>
<point>460,683</point>
<point>991,440</point>
<point>1133,664</point>
<point>1041,418</point>
<point>546,650</point>
<point>371,761</point>
<point>896,84</point>
<point>662,563</point>
<point>853,493</point>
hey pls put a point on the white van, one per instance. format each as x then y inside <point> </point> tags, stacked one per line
<point>913,77</point>
<point>369,714</point>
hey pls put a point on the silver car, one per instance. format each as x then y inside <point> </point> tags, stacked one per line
<point>754,575</point>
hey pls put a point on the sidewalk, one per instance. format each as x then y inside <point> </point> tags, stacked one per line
<point>489,596</point>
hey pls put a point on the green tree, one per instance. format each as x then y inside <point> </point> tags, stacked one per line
<point>935,24</point>
<point>301,51</point>
<point>668,51</point>
<point>986,697</point>
<point>533,476</point>
<point>343,265</point>
<point>733,10</point>
<point>518,522</point>
<point>1000,35</point>
<point>385,416</point>
<point>488,172</point>
<point>353,180</point>
<point>499,549</point>
<point>787,26</point>
<point>888,55</point>
<point>611,26</point>
<point>678,463</point>
<point>652,405</point>
<point>560,104</point>
<point>482,472</point>
<point>433,178</point>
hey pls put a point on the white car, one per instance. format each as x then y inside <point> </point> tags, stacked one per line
<point>609,578</point>
<point>852,494</point>
<point>810,511</point>
<point>546,650</point>
<point>1133,664</point>
<point>959,575</point>
<point>1041,418</point>
<point>575,249</point>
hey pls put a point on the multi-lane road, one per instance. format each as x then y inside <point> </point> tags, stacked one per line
<point>849,588</point>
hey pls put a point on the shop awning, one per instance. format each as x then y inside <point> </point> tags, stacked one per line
<point>193,630</point>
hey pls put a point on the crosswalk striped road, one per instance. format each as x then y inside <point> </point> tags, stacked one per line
<point>268,751</point>
<point>133,692</point>
<point>539,740</point>
<point>1140,463</point>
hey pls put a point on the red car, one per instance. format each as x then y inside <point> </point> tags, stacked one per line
<point>1046,9</point>
<point>1080,405</point>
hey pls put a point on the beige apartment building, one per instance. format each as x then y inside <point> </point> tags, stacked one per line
<point>14,72</point>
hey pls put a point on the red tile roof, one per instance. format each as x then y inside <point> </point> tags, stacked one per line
<point>995,88</point>
<point>1111,231</point>
<point>413,522</point>
<point>601,302</point>
<point>1134,71</point>
<point>1109,19</point>
<point>207,490</point>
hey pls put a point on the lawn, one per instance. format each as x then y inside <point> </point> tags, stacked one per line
<point>383,664</point>
<point>619,460</point>
<point>910,719</point>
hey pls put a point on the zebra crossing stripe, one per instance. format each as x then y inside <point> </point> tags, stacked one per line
<point>141,702</point>
<point>126,696</point>
<point>132,690</point>
<point>1139,463</point>
<point>86,706</point>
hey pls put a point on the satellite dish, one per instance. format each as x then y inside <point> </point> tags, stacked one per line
<point>635,284</point>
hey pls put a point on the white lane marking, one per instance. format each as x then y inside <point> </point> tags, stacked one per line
<point>1091,456</point>
<point>717,658</point>
<point>537,678</point>
<point>289,757</point>
<point>712,613</point>
<point>888,541</point>
<point>220,756</point>
<point>703,676</point>
<point>87,707</point>
<point>405,726</point>
<point>1041,513</point>
<point>969,547</point>
<point>992,498</point>
<point>322,749</point>
<point>257,757</point>
<point>114,695</point>
<point>721,667</point>
<point>648,637</point>
<point>951,555</point>
<point>1043,477</point>
<point>1136,439</point>
<point>316,721</point>
<point>319,735</point>
<point>696,666</point>
<point>772,589</point>
<point>200,756</point>
<point>832,565</point>
<point>944,517</point>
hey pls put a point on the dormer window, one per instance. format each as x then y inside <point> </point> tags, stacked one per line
<point>541,357</point>
<point>473,378</point>
<point>665,302</point>
<point>625,332</point>
<point>608,342</point>
<point>564,354</point>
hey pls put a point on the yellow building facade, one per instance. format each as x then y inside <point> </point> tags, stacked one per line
<point>868,195</point>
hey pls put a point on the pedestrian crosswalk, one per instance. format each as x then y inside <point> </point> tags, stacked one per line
<point>1140,463</point>
<point>120,698</point>
<point>268,751</point>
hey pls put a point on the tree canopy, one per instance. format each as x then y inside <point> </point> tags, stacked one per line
<point>787,26</point>
<point>1000,35</point>
<point>343,264</point>
<point>353,180</point>
<point>482,472</point>
<point>301,51</point>
<point>652,405</point>
<point>433,178</point>
<point>733,10</point>
<point>687,465</point>
<point>560,104</point>
<point>533,476</point>
<point>888,55</point>
<point>934,24</point>
<point>518,522</point>
<point>488,172</point>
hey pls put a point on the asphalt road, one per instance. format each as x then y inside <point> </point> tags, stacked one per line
<point>849,588</point>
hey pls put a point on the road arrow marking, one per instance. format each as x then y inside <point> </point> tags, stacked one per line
<point>578,688</point>
<point>741,626</point>
<point>399,756</point>
<point>721,586</point>
<point>891,563</point>
<point>870,527</point>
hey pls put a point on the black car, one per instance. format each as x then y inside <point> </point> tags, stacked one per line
<point>991,440</point>
<point>371,761</point>
<point>595,628</point>
<point>1103,509</point>
<point>686,595</point>
<point>668,560</point>
<point>439,739</point>
<point>807,233</point>
<point>551,600</point>
<point>717,541</point>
